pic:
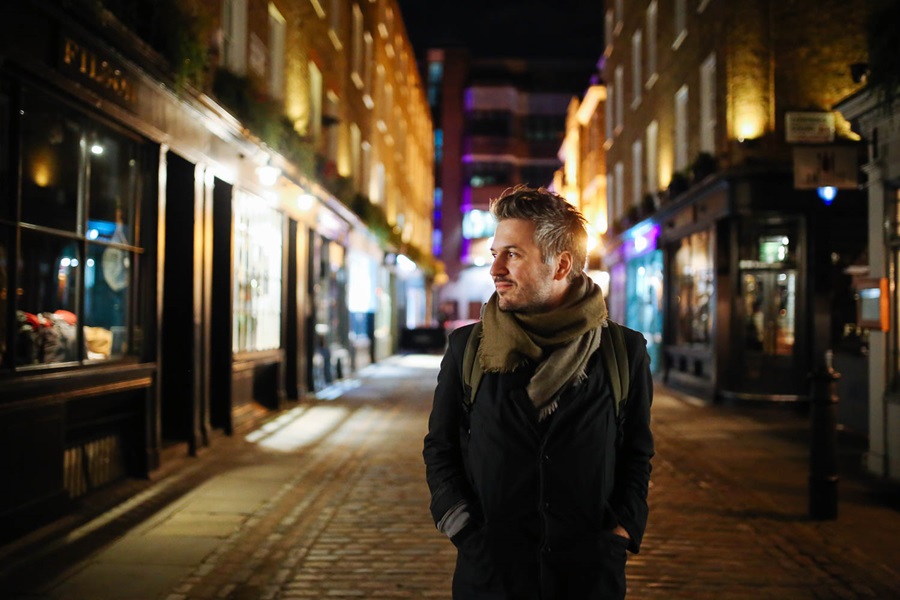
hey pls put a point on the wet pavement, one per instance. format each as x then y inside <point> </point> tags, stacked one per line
<point>328,500</point>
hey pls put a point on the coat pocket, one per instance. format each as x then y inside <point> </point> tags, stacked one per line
<point>474,566</point>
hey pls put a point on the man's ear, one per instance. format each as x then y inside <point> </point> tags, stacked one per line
<point>563,265</point>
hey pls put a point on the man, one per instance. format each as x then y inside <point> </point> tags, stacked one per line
<point>529,480</point>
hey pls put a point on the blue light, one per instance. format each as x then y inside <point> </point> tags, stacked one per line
<point>827,194</point>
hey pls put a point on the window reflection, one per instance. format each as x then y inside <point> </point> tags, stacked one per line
<point>52,164</point>
<point>112,176</point>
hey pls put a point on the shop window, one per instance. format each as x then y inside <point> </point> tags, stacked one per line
<point>257,274</point>
<point>694,289</point>
<point>769,286</point>
<point>77,246</point>
<point>643,309</point>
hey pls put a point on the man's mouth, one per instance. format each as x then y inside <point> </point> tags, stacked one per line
<point>502,284</point>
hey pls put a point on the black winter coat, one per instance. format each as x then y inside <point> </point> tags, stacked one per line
<point>544,497</point>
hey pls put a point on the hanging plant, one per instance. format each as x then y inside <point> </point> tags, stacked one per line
<point>177,29</point>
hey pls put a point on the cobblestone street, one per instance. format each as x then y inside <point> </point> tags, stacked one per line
<point>329,500</point>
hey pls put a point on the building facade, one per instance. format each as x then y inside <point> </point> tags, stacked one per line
<point>879,124</point>
<point>193,235</point>
<point>719,133</point>
<point>498,123</point>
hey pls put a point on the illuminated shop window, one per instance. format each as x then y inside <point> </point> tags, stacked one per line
<point>694,285</point>
<point>77,248</point>
<point>257,274</point>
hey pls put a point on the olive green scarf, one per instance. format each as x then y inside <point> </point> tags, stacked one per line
<point>561,341</point>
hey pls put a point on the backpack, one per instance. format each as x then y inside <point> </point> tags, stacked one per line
<point>615,358</point>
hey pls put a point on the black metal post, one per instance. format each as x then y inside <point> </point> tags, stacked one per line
<point>823,471</point>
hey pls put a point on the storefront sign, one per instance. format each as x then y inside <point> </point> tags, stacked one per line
<point>97,72</point>
<point>809,127</point>
<point>820,166</point>
<point>640,240</point>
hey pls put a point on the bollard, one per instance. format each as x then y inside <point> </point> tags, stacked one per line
<point>823,472</point>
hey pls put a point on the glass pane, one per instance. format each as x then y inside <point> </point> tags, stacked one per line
<point>47,307</point>
<point>754,316</point>
<point>770,311</point>
<point>694,281</point>
<point>106,293</point>
<point>113,168</point>
<point>51,164</point>
<point>786,285</point>
<point>774,248</point>
<point>644,312</point>
<point>257,274</point>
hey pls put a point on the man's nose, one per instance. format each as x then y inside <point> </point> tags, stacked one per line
<point>498,267</point>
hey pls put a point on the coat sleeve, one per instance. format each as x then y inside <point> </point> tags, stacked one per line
<point>443,454</point>
<point>629,497</point>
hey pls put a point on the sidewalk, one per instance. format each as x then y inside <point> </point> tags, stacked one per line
<point>729,512</point>
<point>328,501</point>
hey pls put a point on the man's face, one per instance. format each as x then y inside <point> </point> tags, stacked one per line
<point>524,282</point>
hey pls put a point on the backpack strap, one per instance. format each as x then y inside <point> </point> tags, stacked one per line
<point>615,355</point>
<point>471,366</point>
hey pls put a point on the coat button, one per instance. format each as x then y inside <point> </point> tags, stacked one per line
<point>546,458</point>
<point>546,505</point>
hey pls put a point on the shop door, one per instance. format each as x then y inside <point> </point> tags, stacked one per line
<point>769,309</point>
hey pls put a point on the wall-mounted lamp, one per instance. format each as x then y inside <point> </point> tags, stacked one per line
<point>405,264</point>
<point>305,201</point>
<point>268,174</point>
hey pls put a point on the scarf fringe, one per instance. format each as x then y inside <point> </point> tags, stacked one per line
<point>548,410</point>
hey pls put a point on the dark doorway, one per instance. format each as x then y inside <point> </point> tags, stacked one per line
<point>221,304</point>
<point>177,386</point>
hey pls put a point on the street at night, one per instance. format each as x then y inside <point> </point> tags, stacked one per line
<point>329,500</point>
